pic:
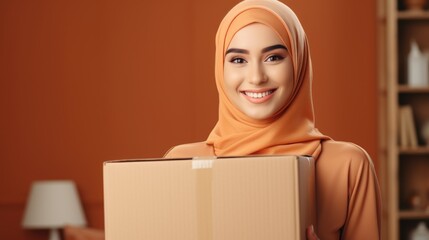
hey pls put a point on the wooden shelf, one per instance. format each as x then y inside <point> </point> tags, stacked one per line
<point>406,168</point>
<point>413,15</point>
<point>410,214</point>
<point>408,89</point>
<point>414,151</point>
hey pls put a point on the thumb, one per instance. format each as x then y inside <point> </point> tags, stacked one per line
<point>311,235</point>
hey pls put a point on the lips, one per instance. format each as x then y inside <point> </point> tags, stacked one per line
<point>258,96</point>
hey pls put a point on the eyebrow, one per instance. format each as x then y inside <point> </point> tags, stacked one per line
<point>264,50</point>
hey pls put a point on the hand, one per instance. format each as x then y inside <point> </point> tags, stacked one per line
<point>311,235</point>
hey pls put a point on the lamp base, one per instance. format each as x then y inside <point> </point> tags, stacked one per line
<point>54,234</point>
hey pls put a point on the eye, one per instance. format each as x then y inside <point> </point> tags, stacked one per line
<point>238,60</point>
<point>274,58</point>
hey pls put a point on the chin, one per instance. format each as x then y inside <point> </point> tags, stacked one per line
<point>258,116</point>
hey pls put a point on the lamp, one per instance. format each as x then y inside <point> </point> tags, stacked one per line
<point>53,204</point>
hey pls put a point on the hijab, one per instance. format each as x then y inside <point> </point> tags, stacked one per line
<point>292,129</point>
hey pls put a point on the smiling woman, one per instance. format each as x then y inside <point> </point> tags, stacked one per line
<point>259,75</point>
<point>264,76</point>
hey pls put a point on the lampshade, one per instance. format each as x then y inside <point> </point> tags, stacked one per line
<point>53,204</point>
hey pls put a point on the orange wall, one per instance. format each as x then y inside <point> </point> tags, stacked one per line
<point>82,82</point>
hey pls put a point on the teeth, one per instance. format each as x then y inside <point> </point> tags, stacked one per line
<point>258,95</point>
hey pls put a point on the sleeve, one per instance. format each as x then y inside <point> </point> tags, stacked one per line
<point>169,153</point>
<point>189,150</point>
<point>180,151</point>
<point>363,219</point>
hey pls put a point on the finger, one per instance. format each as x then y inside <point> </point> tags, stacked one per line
<point>311,235</point>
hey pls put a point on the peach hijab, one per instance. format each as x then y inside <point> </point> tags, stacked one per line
<point>291,130</point>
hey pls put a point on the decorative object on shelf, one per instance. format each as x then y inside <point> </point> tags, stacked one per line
<point>407,129</point>
<point>53,205</point>
<point>418,64</point>
<point>425,132</point>
<point>415,5</point>
<point>421,232</point>
<point>415,201</point>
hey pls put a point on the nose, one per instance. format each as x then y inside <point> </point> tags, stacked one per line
<point>256,74</point>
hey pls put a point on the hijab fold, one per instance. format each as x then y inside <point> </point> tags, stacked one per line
<point>292,129</point>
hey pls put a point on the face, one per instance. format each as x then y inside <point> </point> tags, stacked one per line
<point>258,72</point>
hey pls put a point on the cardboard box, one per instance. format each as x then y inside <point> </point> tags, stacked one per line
<point>259,197</point>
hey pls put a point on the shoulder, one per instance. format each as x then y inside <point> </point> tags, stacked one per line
<point>345,160</point>
<point>347,150</point>
<point>190,150</point>
<point>337,154</point>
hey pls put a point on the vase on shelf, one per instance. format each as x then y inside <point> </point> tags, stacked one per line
<point>418,64</point>
<point>420,232</point>
<point>415,5</point>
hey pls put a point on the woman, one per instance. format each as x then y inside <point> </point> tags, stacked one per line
<point>263,77</point>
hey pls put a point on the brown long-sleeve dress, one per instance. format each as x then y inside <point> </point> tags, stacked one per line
<point>348,196</point>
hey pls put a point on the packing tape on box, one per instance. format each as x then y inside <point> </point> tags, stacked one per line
<point>204,174</point>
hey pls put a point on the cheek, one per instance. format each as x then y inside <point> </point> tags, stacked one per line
<point>283,76</point>
<point>288,80</point>
<point>288,84</point>
<point>232,79</point>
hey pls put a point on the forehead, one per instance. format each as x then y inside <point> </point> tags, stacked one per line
<point>255,35</point>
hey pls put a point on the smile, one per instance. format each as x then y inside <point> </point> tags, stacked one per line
<point>259,95</point>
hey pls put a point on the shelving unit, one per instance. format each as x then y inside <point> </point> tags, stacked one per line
<point>407,89</point>
<point>405,174</point>
<point>414,151</point>
<point>413,215</point>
